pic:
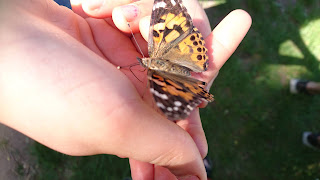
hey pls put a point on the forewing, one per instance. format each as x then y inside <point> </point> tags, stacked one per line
<point>172,36</point>
<point>170,23</point>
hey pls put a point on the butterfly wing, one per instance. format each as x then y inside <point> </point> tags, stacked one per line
<point>169,24</point>
<point>172,36</point>
<point>191,51</point>
<point>176,95</point>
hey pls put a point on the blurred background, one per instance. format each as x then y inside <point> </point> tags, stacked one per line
<point>254,128</point>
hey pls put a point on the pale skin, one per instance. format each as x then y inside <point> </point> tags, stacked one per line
<point>59,83</point>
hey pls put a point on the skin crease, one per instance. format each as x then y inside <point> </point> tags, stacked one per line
<point>59,84</point>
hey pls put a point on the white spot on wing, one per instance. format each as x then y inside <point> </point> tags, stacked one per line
<point>158,5</point>
<point>177,103</point>
<point>160,105</point>
<point>173,2</point>
<point>175,108</point>
<point>169,109</point>
<point>156,93</point>
<point>186,111</point>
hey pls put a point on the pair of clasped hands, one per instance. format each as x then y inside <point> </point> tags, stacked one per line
<point>60,84</point>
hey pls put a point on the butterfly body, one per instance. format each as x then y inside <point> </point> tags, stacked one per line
<point>176,48</point>
<point>165,65</point>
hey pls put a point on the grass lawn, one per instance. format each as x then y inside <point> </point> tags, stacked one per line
<point>255,125</point>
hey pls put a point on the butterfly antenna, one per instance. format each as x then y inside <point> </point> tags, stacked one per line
<point>130,68</point>
<point>135,40</point>
<point>134,74</point>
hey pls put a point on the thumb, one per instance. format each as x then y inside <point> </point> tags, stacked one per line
<point>151,138</point>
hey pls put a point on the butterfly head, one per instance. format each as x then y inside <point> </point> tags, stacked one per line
<point>142,62</point>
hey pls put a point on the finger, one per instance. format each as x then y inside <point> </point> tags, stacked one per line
<point>199,16</point>
<point>98,8</point>
<point>223,41</point>
<point>131,13</point>
<point>161,173</point>
<point>144,27</point>
<point>193,126</point>
<point>110,40</point>
<point>225,38</point>
<point>76,6</point>
<point>137,11</point>
<point>141,170</point>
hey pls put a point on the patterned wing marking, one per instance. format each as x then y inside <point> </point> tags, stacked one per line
<point>192,51</point>
<point>170,23</point>
<point>176,98</point>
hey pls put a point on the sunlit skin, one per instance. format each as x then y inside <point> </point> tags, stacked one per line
<point>60,84</point>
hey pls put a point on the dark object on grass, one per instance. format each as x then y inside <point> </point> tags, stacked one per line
<point>304,86</point>
<point>209,166</point>
<point>311,140</point>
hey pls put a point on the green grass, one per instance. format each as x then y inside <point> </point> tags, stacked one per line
<point>55,166</point>
<point>254,127</point>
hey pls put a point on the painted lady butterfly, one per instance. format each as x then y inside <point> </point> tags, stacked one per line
<point>175,48</point>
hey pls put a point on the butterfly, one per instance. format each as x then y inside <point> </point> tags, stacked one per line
<point>176,48</point>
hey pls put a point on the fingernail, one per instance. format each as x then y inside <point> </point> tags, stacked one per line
<point>94,4</point>
<point>130,11</point>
